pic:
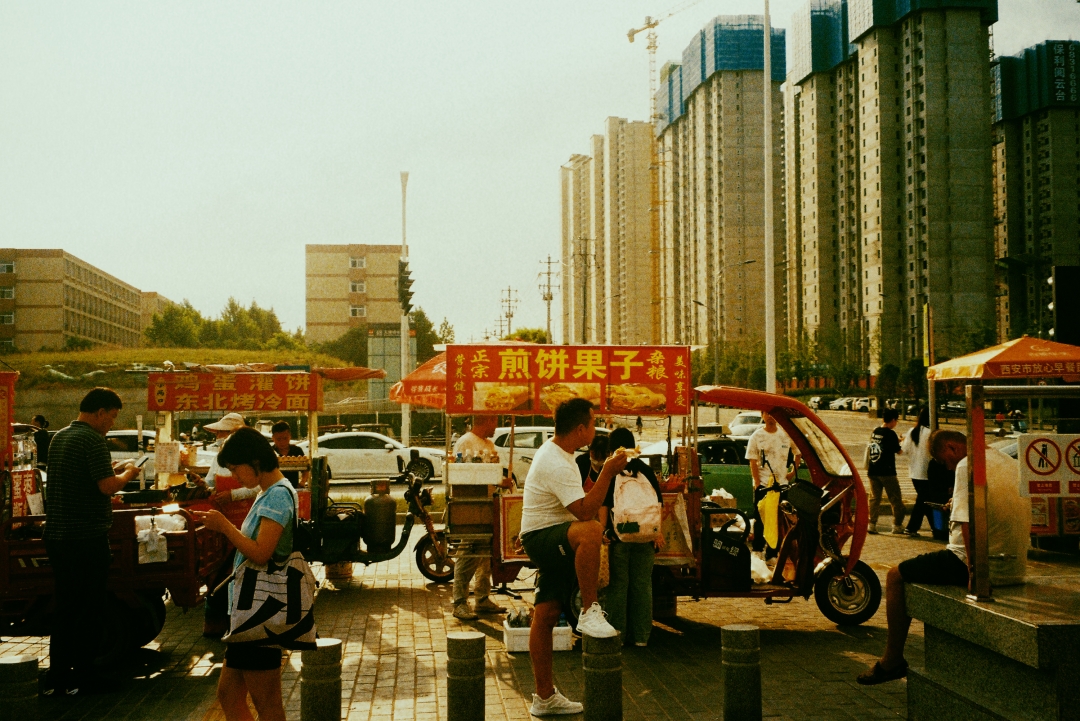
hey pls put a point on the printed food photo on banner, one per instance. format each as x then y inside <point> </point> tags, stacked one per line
<point>637,397</point>
<point>502,397</point>
<point>555,393</point>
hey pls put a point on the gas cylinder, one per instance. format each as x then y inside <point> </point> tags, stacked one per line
<point>380,518</point>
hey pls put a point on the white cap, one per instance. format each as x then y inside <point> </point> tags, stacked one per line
<point>228,422</point>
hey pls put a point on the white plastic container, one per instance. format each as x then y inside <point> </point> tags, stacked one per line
<point>517,639</point>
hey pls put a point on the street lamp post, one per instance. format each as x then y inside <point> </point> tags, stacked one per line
<point>770,271</point>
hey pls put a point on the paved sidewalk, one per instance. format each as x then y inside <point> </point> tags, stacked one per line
<point>394,625</point>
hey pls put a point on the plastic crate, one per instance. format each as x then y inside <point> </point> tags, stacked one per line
<point>516,640</point>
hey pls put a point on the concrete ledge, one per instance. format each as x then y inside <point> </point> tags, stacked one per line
<point>1036,624</point>
<point>932,701</point>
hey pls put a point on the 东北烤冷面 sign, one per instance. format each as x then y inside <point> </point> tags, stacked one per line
<point>235,392</point>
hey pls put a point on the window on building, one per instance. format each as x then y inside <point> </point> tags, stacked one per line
<point>7,292</point>
<point>7,267</point>
<point>358,286</point>
<point>7,344</point>
<point>358,311</point>
<point>358,262</point>
<point>7,319</point>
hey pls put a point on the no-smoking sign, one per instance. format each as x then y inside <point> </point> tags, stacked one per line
<point>1049,464</point>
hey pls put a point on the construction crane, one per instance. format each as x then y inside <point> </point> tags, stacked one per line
<point>654,166</point>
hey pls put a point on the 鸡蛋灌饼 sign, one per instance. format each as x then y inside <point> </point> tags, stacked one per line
<point>235,392</point>
<point>526,380</point>
<point>1049,464</point>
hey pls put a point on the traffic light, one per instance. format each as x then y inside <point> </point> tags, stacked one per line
<point>404,287</point>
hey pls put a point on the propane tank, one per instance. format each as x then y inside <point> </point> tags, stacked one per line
<point>380,518</point>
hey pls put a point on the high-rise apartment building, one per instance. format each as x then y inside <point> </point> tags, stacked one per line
<point>607,278</point>
<point>712,184</point>
<point>1036,155</point>
<point>893,173</point>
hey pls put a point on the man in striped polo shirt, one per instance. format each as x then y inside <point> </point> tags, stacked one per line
<point>78,516</point>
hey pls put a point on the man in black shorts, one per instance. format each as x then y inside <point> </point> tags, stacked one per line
<point>562,538</point>
<point>941,568</point>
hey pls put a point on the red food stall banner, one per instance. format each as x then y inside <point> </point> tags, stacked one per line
<point>526,380</point>
<point>235,392</point>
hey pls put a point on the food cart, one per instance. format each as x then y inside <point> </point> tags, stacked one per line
<point>822,514</point>
<point>331,531</point>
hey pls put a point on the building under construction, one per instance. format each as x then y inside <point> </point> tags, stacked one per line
<point>1036,181</point>
<point>607,280</point>
<point>890,176</point>
<point>710,137</point>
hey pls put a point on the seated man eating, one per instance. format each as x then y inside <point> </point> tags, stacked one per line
<point>562,538</point>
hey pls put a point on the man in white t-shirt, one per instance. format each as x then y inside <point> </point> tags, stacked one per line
<point>562,538</point>
<point>469,561</point>
<point>1008,533</point>
<point>767,451</point>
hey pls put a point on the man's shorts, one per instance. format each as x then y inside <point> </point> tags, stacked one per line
<point>549,550</point>
<point>941,568</point>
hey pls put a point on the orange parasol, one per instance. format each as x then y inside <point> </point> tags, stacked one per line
<point>1023,357</point>
<point>425,386</point>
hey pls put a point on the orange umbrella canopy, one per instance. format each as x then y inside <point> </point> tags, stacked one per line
<point>1024,357</point>
<point>425,386</point>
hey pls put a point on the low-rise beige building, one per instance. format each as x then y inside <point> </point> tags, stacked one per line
<point>349,286</point>
<point>153,304</point>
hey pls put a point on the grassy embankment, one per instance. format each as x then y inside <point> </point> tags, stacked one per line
<point>110,367</point>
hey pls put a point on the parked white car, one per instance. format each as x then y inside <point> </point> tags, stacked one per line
<point>744,424</point>
<point>124,446</point>
<point>527,439</point>
<point>364,454</point>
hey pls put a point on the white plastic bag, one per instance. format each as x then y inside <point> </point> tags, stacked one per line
<point>759,570</point>
<point>637,513</point>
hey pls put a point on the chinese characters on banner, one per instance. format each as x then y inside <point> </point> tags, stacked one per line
<point>523,380</point>
<point>235,392</point>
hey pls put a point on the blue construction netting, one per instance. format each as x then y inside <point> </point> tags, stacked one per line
<point>693,65</point>
<point>735,42</point>
<point>864,15</point>
<point>1040,77</point>
<point>819,40</point>
<point>669,96</point>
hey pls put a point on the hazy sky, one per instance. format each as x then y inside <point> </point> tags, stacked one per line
<point>193,148</point>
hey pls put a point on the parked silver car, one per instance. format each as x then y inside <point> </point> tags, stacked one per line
<point>365,454</point>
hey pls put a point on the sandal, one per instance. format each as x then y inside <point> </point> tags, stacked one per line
<point>879,674</point>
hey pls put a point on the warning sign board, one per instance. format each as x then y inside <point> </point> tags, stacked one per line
<point>1049,464</point>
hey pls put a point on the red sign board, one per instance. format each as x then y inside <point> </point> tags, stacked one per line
<point>235,392</point>
<point>526,380</point>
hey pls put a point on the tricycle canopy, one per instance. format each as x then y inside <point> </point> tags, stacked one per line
<point>828,462</point>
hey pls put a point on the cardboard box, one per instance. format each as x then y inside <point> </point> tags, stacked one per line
<point>516,640</point>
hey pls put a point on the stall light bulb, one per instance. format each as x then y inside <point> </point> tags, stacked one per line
<point>170,508</point>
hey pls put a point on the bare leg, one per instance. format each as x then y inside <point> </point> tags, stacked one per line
<point>265,690</point>
<point>585,538</point>
<point>232,695</point>
<point>545,616</point>
<point>897,618</point>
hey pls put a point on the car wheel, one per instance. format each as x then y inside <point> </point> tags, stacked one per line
<point>421,468</point>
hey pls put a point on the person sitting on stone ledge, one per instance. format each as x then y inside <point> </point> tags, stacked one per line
<point>1008,529</point>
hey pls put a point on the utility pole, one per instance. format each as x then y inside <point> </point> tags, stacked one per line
<point>547,291</point>
<point>500,328</point>
<point>770,270</point>
<point>509,305</point>
<point>583,252</point>
<point>406,418</point>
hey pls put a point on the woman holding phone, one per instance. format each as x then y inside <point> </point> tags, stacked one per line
<point>267,533</point>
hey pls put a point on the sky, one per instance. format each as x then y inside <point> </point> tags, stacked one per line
<point>193,148</point>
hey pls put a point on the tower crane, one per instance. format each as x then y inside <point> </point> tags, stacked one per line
<point>654,165</point>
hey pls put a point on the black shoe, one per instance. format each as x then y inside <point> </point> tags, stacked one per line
<point>53,684</point>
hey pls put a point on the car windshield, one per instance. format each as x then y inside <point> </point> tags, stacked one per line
<point>832,460</point>
<point>746,419</point>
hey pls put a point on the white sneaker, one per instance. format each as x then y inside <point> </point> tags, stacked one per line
<point>554,705</point>
<point>594,623</point>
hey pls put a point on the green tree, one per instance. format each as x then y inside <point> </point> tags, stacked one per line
<point>531,335</point>
<point>446,331</point>
<point>426,337</point>
<point>350,347</point>
<point>178,326</point>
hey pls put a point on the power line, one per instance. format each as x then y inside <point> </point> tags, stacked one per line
<point>509,305</point>
<point>547,290</point>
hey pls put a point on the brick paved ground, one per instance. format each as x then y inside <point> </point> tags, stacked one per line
<point>394,626</point>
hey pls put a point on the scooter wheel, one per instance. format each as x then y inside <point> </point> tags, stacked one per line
<point>848,600</point>
<point>435,567</point>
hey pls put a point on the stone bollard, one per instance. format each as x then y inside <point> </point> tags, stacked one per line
<point>602,662</point>
<point>18,688</point>
<point>741,671</point>
<point>320,681</point>
<point>465,676</point>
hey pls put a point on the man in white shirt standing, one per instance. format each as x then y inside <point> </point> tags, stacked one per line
<point>469,561</point>
<point>767,451</point>
<point>562,538</point>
